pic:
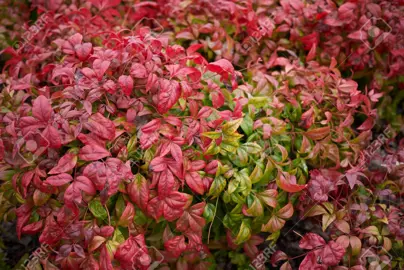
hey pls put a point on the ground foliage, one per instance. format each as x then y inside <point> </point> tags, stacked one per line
<point>185,132</point>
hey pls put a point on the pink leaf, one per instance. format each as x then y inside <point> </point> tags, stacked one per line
<point>332,253</point>
<point>101,126</point>
<point>358,35</point>
<point>85,184</point>
<point>138,71</point>
<point>222,67</point>
<point>311,241</point>
<point>65,164</point>
<point>126,83</point>
<point>100,67</point>
<point>93,152</point>
<point>83,50</point>
<point>59,180</point>
<point>169,94</point>
<point>51,137</point>
<point>41,109</point>
<point>105,4</point>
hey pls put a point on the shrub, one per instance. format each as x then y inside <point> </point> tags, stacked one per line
<point>122,148</point>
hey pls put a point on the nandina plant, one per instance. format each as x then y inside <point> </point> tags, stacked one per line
<point>122,149</point>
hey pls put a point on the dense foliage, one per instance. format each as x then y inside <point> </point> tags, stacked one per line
<point>185,134</point>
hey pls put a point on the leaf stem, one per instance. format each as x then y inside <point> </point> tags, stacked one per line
<point>214,215</point>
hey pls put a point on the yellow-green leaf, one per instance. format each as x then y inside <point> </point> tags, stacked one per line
<point>244,233</point>
<point>327,220</point>
<point>212,134</point>
<point>251,148</point>
<point>231,126</point>
<point>218,184</point>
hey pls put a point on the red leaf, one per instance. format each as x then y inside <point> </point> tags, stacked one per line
<point>175,245</point>
<point>152,126</point>
<point>127,216</point>
<point>217,99</point>
<point>166,183</point>
<point>222,67</point>
<point>58,180</point>
<point>268,197</point>
<point>311,241</point>
<point>41,109</point>
<point>358,35</point>
<point>348,86</point>
<point>132,253</point>
<point>286,211</point>
<point>321,183</point>
<point>171,207</point>
<point>51,137</point>
<point>367,125</point>
<point>195,183</point>
<point>65,164</point>
<point>318,133</point>
<point>332,253</point>
<point>191,219</point>
<point>70,197</point>
<point>310,262</point>
<point>83,50</point>
<point>138,191</point>
<point>126,83</point>
<point>33,228</point>
<point>158,164</point>
<point>169,94</point>
<point>85,184</point>
<point>273,225</point>
<point>105,4</point>
<point>23,215</point>
<point>100,67</point>
<point>287,182</point>
<point>25,181</point>
<point>93,152</point>
<point>193,48</point>
<point>101,126</point>
<point>138,71</point>
<point>250,247</point>
<point>105,259</point>
<point>312,53</point>
<point>279,255</point>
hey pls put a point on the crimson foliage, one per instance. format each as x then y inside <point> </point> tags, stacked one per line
<point>153,132</point>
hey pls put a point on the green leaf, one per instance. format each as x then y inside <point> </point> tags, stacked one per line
<point>131,144</point>
<point>98,210</point>
<point>228,148</point>
<point>119,206</point>
<point>244,180</point>
<point>209,212</point>
<point>118,236</point>
<point>247,125</point>
<point>256,209</point>
<point>258,102</point>
<point>213,149</point>
<point>244,233</point>
<point>219,183</point>
<point>232,126</point>
<point>140,218</point>
<point>251,148</point>
<point>241,159</point>
<point>327,220</point>
<point>257,174</point>
<point>212,134</point>
<point>233,185</point>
